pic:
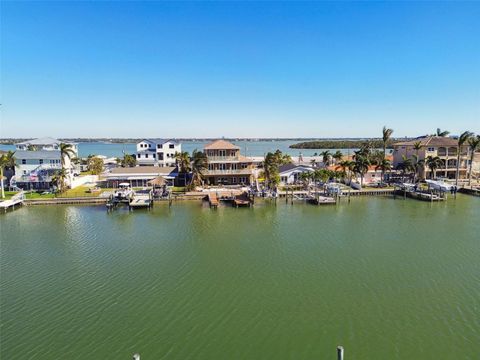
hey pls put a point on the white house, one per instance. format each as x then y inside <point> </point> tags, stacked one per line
<point>37,161</point>
<point>157,152</point>
<point>290,173</point>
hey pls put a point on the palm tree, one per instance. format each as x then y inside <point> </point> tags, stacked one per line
<point>313,162</point>
<point>326,156</point>
<point>386,134</point>
<point>474,144</point>
<point>346,166</point>
<point>384,166</point>
<point>6,161</point>
<point>66,151</point>
<point>405,166</point>
<point>199,164</point>
<point>442,133</point>
<point>59,178</point>
<point>337,156</point>
<point>462,139</point>
<point>305,177</point>
<point>183,163</point>
<point>361,167</point>
<point>433,162</point>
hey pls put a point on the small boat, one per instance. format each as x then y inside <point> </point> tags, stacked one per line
<point>124,192</point>
<point>439,185</point>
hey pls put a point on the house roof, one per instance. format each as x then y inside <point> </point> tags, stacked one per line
<point>40,154</point>
<point>160,141</point>
<point>221,145</point>
<point>143,170</point>
<point>41,141</point>
<point>430,140</point>
<point>289,167</point>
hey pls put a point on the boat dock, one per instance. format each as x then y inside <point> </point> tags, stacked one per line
<point>17,199</point>
<point>213,200</point>
<point>242,200</point>
<point>141,199</point>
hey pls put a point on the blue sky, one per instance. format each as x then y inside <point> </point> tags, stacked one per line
<point>238,69</point>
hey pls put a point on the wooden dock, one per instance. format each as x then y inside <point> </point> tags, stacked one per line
<point>141,199</point>
<point>242,200</point>
<point>16,200</point>
<point>213,199</point>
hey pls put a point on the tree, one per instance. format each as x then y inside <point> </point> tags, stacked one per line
<point>405,166</point>
<point>199,164</point>
<point>326,156</point>
<point>433,162</point>
<point>474,144</point>
<point>305,177</point>
<point>347,168</point>
<point>384,166</point>
<point>443,133</point>
<point>462,139</point>
<point>95,165</point>
<point>7,161</point>
<point>127,161</point>
<point>59,179</point>
<point>337,156</point>
<point>361,167</point>
<point>66,152</point>
<point>386,135</point>
<point>271,165</point>
<point>183,163</point>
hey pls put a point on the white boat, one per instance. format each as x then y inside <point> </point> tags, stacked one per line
<point>124,191</point>
<point>439,185</point>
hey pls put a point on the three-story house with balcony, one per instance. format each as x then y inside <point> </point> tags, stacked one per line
<point>446,148</point>
<point>157,152</point>
<point>226,166</point>
<point>37,161</point>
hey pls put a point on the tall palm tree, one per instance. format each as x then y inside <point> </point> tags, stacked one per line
<point>474,144</point>
<point>433,162</point>
<point>386,135</point>
<point>337,156</point>
<point>462,139</point>
<point>66,152</point>
<point>326,156</point>
<point>442,133</point>
<point>59,179</point>
<point>361,167</point>
<point>183,163</point>
<point>313,163</point>
<point>346,167</point>
<point>7,161</point>
<point>199,164</point>
<point>417,165</point>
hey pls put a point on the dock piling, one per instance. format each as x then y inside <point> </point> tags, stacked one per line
<point>340,352</point>
<point>136,356</point>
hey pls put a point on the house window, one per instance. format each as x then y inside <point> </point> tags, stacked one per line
<point>431,149</point>
<point>40,161</point>
<point>149,145</point>
<point>154,156</point>
<point>160,156</point>
<point>159,146</point>
<point>138,156</point>
<point>234,180</point>
<point>243,180</point>
<point>172,146</point>
<point>146,156</point>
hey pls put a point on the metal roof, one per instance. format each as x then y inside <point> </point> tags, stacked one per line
<point>43,141</point>
<point>40,154</point>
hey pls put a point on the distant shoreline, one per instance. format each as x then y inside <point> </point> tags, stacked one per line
<point>12,141</point>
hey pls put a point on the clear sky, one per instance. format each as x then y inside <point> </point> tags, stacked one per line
<point>238,69</point>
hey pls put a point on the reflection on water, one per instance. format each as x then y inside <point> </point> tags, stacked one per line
<point>394,279</point>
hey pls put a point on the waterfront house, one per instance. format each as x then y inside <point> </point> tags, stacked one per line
<point>38,160</point>
<point>290,173</point>
<point>157,152</point>
<point>226,166</point>
<point>446,148</point>
<point>138,176</point>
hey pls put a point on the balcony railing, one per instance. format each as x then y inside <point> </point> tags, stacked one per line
<point>223,158</point>
<point>229,172</point>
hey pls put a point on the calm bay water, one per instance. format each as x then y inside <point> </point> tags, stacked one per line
<point>388,279</point>
<point>250,148</point>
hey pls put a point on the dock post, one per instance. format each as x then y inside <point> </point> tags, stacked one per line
<point>340,352</point>
<point>136,356</point>
<point>349,195</point>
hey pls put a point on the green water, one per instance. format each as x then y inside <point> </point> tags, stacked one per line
<point>387,279</point>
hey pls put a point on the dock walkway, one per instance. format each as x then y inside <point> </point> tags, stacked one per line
<point>17,199</point>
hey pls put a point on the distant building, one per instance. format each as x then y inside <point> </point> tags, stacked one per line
<point>290,173</point>
<point>157,152</point>
<point>38,160</point>
<point>446,148</point>
<point>226,166</point>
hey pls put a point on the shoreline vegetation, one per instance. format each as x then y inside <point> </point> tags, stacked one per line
<point>375,143</point>
<point>12,141</point>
